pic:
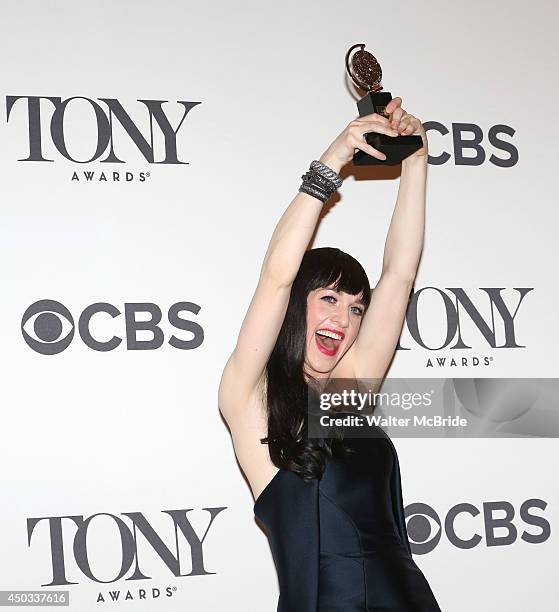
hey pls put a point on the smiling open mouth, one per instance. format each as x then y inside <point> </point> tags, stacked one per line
<point>327,341</point>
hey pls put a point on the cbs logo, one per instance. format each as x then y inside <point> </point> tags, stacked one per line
<point>48,327</point>
<point>463,522</point>
<point>470,147</point>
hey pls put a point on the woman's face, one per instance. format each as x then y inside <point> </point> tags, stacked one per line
<point>334,314</point>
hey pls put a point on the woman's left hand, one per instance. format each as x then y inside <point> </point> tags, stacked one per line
<point>406,124</point>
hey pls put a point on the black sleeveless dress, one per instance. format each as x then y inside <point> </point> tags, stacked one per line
<point>340,544</point>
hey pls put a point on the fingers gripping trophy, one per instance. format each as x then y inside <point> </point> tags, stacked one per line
<point>364,70</point>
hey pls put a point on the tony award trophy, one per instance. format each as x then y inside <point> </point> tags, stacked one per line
<point>366,73</point>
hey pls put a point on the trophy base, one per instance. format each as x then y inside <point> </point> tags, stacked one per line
<point>396,148</point>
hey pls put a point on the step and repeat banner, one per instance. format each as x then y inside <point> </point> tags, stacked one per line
<point>147,152</point>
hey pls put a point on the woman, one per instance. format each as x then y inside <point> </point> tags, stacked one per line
<point>332,508</point>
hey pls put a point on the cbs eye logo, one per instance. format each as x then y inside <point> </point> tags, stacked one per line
<point>425,528</point>
<point>48,327</point>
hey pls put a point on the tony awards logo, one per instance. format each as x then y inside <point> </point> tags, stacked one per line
<point>366,74</point>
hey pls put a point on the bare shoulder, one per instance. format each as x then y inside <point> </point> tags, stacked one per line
<point>248,426</point>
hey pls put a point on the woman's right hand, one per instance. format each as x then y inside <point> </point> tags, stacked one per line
<point>342,149</point>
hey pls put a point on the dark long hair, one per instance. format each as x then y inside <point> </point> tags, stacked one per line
<point>286,388</point>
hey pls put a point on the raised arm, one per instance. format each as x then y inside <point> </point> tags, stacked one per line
<point>381,326</point>
<point>260,328</point>
<point>264,317</point>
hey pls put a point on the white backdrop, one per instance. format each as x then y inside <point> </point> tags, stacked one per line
<point>89,431</point>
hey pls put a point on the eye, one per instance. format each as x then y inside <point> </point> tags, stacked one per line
<point>356,309</point>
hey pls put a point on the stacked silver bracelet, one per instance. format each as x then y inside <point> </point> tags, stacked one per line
<point>320,181</point>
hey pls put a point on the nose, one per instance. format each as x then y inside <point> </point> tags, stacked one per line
<point>341,317</point>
